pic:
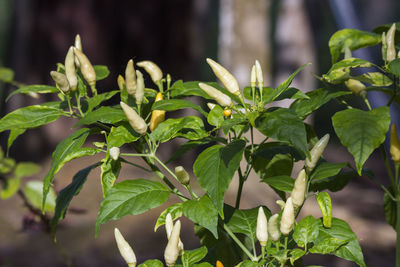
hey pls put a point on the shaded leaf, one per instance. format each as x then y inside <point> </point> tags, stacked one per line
<point>102,72</point>
<point>6,75</point>
<point>109,173</point>
<point>176,104</point>
<point>306,231</point>
<point>283,183</point>
<point>175,210</point>
<point>39,89</point>
<point>104,114</point>
<point>191,257</point>
<point>34,193</point>
<point>325,170</point>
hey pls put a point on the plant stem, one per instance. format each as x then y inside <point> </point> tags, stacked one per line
<point>239,192</point>
<point>237,241</point>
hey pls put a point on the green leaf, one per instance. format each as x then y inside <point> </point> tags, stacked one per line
<point>325,205</point>
<point>191,257</point>
<point>216,116</point>
<point>374,79</point>
<point>279,165</point>
<point>180,88</point>
<point>202,212</point>
<point>151,263</point>
<point>394,67</point>
<point>325,170</point>
<point>341,230</point>
<point>186,147</point>
<point>102,72</point>
<point>65,196</point>
<point>296,254</point>
<point>25,169</point>
<point>96,100</point>
<point>283,183</point>
<point>60,155</point>
<point>131,197</point>
<point>361,131</point>
<point>9,187</point>
<point>215,168</point>
<point>306,231</point>
<point>390,208</point>
<point>120,135</point>
<point>34,193</point>
<point>282,87</point>
<point>340,71</point>
<point>245,222</point>
<point>175,210</point>
<point>334,183</point>
<point>14,133</point>
<point>6,165</point>
<point>29,117</point>
<point>39,89</point>
<point>6,75</point>
<point>283,125</point>
<point>270,149</point>
<point>227,125</point>
<point>176,104</point>
<point>292,93</point>
<point>351,38</point>
<point>104,114</point>
<point>317,98</point>
<point>109,173</point>
<point>189,127</point>
<point>328,245</point>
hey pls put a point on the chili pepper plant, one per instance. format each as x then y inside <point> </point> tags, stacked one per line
<point>229,235</point>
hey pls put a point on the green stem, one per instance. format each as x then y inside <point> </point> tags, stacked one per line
<point>193,194</point>
<point>387,165</point>
<point>237,241</point>
<point>134,164</point>
<point>239,192</point>
<point>136,155</point>
<point>166,168</point>
<point>69,104</point>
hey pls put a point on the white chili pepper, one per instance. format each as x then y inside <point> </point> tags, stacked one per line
<point>299,189</point>
<point>384,46</point>
<point>70,71</point>
<point>169,225</point>
<point>287,220</point>
<point>78,45</point>
<point>114,153</point>
<point>130,78</point>
<point>172,250</point>
<point>86,68</point>
<point>226,78</point>
<point>273,230</point>
<point>355,86</point>
<point>152,69</point>
<point>139,94</point>
<point>262,227</point>
<point>391,50</point>
<point>61,81</point>
<point>137,123</point>
<point>215,94</point>
<point>316,152</point>
<point>125,249</point>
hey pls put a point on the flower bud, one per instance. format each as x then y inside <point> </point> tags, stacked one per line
<point>253,77</point>
<point>70,71</point>
<point>114,153</point>
<point>391,50</point>
<point>259,75</point>
<point>139,94</point>
<point>130,78</point>
<point>287,220</point>
<point>211,105</point>
<point>262,227</point>
<point>355,86</point>
<point>299,189</point>
<point>137,123</point>
<point>226,78</point>
<point>61,81</point>
<point>182,175</point>
<point>394,145</point>
<point>273,230</point>
<point>316,152</point>
<point>215,94</point>
<point>125,249</point>
<point>172,250</point>
<point>152,69</point>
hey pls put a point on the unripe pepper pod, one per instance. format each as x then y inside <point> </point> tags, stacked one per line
<point>215,94</point>
<point>70,71</point>
<point>273,230</point>
<point>226,78</point>
<point>157,116</point>
<point>114,153</point>
<point>355,86</point>
<point>125,249</point>
<point>391,50</point>
<point>61,80</point>
<point>262,227</point>
<point>299,189</point>
<point>394,145</point>
<point>182,175</point>
<point>130,78</point>
<point>139,94</point>
<point>253,77</point>
<point>78,45</point>
<point>316,152</point>
<point>172,251</point>
<point>121,82</point>
<point>86,68</point>
<point>152,69</point>
<point>259,75</point>
<point>287,220</point>
<point>137,123</point>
